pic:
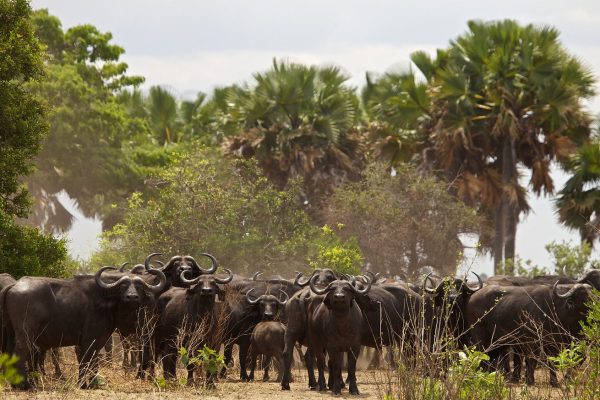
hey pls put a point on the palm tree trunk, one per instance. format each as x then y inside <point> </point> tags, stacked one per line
<point>498,239</point>
<point>509,178</point>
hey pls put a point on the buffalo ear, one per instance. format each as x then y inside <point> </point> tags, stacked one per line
<point>327,302</point>
<point>365,302</point>
<point>220,294</point>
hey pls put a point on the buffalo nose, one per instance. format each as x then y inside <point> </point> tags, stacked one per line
<point>339,296</point>
<point>206,291</point>
<point>132,297</point>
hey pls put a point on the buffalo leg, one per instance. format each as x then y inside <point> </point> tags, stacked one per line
<point>352,356</point>
<point>244,345</point>
<point>267,364</point>
<point>335,371</point>
<point>517,366</point>
<point>309,360</point>
<point>55,356</point>
<point>290,340</point>
<point>228,357</point>
<point>320,356</point>
<point>530,364</point>
<point>252,363</point>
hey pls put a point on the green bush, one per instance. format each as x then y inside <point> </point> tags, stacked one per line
<point>342,256</point>
<point>206,203</point>
<point>28,251</point>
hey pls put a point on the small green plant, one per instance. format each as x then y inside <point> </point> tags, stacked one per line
<point>472,381</point>
<point>8,372</point>
<point>210,360</point>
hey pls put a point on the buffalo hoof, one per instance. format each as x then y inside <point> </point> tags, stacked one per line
<point>223,373</point>
<point>24,385</point>
<point>554,384</point>
<point>285,386</point>
<point>354,389</point>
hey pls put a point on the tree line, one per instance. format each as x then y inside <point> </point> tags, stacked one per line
<point>296,167</point>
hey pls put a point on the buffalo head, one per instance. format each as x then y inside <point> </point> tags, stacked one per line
<point>268,304</point>
<point>131,288</point>
<point>179,265</point>
<point>205,285</point>
<point>319,277</point>
<point>339,293</point>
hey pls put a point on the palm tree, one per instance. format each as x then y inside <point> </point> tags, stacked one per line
<point>298,121</point>
<point>578,202</point>
<point>162,107</point>
<point>502,96</point>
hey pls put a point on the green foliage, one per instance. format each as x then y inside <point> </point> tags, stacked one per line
<point>415,210</point>
<point>204,203</point>
<point>210,360</point>
<point>578,202</point>
<point>339,255</point>
<point>572,259</point>
<point>472,381</point>
<point>91,133</point>
<point>520,267</point>
<point>582,383</point>
<point>297,121</point>
<point>8,372</point>
<point>22,116</point>
<point>27,251</point>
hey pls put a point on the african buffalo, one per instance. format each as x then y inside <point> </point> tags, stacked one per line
<point>189,317</point>
<point>267,339</point>
<point>336,326</point>
<point>531,319</point>
<point>45,312</point>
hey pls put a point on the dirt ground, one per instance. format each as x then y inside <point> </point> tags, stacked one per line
<point>117,383</point>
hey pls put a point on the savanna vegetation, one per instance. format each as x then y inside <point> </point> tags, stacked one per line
<point>295,169</point>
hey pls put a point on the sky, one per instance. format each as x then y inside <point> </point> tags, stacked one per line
<point>195,45</point>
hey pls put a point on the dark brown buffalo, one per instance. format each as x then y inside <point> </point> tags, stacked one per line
<point>296,311</point>
<point>45,312</point>
<point>335,326</point>
<point>190,318</point>
<point>530,319</point>
<point>268,340</point>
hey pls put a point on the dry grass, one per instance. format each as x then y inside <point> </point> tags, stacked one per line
<point>122,384</point>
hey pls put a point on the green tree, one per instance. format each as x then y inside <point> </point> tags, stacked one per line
<point>23,251</point>
<point>501,96</point>
<point>225,207</point>
<point>162,108</point>
<point>403,222</point>
<point>578,202</point>
<point>298,121</point>
<point>94,136</point>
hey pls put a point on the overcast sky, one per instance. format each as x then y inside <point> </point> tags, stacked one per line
<point>195,45</point>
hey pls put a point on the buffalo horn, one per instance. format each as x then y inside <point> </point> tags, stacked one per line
<point>122,268</point>
<point>162,281</point>
<point>225,280</point>
<point>479,280</point>
<point>299,275</point>
<point>256,275</point>
<point>105,285</point>
<point>283,303</point>
<point>147,260</point>
<point>188,282</point>
<point>566,295</point>
<point>425,288</point>
<point>315,289</point>
<point>249,300</point>
<point>366,288</point>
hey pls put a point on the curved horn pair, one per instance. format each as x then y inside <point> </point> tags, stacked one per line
<point>306,282</point>
<point>152,288</point>
<point>211,270</point>
<point>566,295</point>
<point>195,280</point>
<point>259,298</point>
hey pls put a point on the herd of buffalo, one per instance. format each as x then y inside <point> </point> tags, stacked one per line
<point>158,308</point>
